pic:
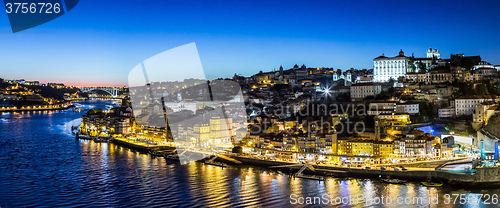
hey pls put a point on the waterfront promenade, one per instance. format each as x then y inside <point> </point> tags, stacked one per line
<point>415,171</point>
<point>36,108</point>
<point>141,146</point>
<point>481,177</point>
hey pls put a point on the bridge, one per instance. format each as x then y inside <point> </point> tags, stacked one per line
<point>110,90</point>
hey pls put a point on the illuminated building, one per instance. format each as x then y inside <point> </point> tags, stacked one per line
<point>201,134</point>
<point>383,148</point>
<point>363,90</point>
<point>482,113</point>
<point>409,108</point>
<point>395,119</point>
<point>446,112</point>
<point>289,143</point>
<point>307,143</point>
<point>361,147</point>
<point>385,68</point>
<point>343,148</point>
<point>324,144</point>
<point>377,107</point>
<point>465,105</point>
<point>336,118</point>
<point>333,140</point>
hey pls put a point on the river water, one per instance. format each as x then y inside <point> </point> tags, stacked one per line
<point>43,165</point>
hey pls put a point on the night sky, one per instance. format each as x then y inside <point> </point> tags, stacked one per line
<point>99,42</point>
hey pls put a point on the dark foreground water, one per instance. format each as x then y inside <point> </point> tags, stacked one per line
<point>43,165</point>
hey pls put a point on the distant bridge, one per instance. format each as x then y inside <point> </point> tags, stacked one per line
<point>110,90</point>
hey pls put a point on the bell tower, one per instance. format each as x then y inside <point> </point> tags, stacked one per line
<point>433,53</point>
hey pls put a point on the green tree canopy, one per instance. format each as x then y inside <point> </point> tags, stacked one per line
<point>95,111</point>
<point>237,150</point>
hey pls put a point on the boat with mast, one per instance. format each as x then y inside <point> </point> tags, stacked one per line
<point>429,181</point>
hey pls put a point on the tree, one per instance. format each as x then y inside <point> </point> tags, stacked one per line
<point>492,88</point>
<point>391,82</point>
<point>426,112</point>
<point>237,150</point>
<point>344,97</point>
<point>481,89</point>
<point>94,111</point>
<point>422,66</point>
<point>467,64</point>
<point>411,63</point>
<point>466,89</point>
<point>455,60</point>
<point>370,121</point>
<point>469,90</point>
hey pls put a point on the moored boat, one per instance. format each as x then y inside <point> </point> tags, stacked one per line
<point>216,163</point>
<point>431,184</point>
<point>156,153</point>
<point>172,157</point>
<point>312,177</point>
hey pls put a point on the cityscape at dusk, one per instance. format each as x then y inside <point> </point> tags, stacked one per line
<point>96,45</point>
<point>249,104</point>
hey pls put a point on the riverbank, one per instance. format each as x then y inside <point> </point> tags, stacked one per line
<point>141,146</point>
<point>36,109</point>
<point>483,177</point>
<point>128,143</point>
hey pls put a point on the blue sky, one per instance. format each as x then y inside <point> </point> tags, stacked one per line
<point>99,42</point>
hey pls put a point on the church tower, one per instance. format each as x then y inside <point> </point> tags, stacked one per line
<point>433,53</point>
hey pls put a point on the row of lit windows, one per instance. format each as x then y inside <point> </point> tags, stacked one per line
<point>469,101</point>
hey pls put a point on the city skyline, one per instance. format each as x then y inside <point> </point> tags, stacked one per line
<point>97,46</point>
<point>249,103</point>
<point>274,69</point>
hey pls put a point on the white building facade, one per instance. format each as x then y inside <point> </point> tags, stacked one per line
<point>381,107</point>
<point>409,108</point>
<point>360,91</point>
<point>465,105</point>
<point>385,68</point>
<point>446,112</point>
<point>433,53</point>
